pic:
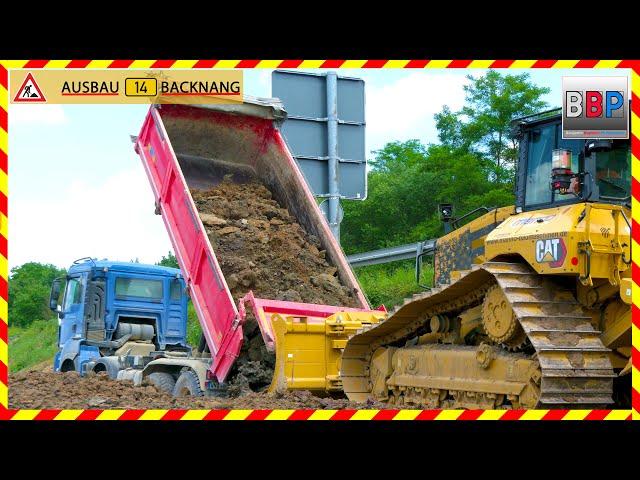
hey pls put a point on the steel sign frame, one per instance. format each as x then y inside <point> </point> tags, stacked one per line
<point>325,131</point>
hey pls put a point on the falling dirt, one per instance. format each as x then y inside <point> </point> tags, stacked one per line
<point>260,247</point>
<point>46,390</point>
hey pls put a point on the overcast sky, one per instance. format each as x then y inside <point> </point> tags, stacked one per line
<point>77,188</point>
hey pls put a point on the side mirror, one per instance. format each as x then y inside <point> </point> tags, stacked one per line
<point>56,287</point>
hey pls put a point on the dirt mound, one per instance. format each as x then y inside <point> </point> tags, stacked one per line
<point>44,390</point>
<point>38,389</point>
<point>300,399</point>
<point>260,247</point>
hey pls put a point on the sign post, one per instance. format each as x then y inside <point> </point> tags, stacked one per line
<point>332,143</point>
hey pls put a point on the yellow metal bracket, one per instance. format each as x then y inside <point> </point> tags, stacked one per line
<point>615,250</point>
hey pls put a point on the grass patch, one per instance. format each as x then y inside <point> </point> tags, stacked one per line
<point>193,326</point>
<point>390,284</point>
<point>33,344</point>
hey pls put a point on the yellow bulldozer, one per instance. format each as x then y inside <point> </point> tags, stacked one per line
<point>530,305</point>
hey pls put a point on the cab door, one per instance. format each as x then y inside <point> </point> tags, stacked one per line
<point>72,311</point>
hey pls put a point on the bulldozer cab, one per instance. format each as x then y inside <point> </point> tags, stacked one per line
<point>593,170</point>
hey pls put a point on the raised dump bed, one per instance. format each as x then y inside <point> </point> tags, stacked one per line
<point>187,148</point>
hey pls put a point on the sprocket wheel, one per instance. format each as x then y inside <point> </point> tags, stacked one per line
<point>500,322</point>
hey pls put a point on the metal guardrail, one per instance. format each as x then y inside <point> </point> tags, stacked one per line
<point>391,254</point>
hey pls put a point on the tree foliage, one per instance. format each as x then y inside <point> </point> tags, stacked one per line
<point>473,165</point>
<point>482,126</point>
<point>169,261</point>
<point>29,287</point>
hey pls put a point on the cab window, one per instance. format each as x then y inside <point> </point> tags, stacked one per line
<point>73,293</point>
<point>141,288</point>
<point>613,172</point>
<point>176,290</point>
<point>541,144</point>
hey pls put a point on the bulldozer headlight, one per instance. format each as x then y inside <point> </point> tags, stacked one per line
<point>446,211</point>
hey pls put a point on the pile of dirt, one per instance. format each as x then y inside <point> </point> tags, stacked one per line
<point>260,247</point>
<point>45,390</point>
<point>38,389</point>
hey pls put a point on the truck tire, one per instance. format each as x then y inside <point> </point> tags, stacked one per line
<point>163,380</point>
<point>188,385</point>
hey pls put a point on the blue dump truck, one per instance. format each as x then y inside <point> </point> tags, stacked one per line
<point>126,319</point>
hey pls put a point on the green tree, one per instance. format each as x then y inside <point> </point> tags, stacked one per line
<point>169,260</point>
<point>483,124</point>
<point>29,286</point>
<point>471,166</point>
<point>398,156</point>
<point>403,197</point>
<point>450,129</point>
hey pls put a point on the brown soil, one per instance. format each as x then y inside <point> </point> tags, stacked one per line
<point>42,390</point>
<point>260,247</point>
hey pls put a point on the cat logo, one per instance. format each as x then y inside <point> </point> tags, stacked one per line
<point>552,251</point>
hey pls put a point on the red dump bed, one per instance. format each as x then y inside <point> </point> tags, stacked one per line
<point>195,146</point>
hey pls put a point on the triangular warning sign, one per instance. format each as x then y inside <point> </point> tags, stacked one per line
<point>29,91</point>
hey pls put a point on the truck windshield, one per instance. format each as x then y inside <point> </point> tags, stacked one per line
<point>140,288</point>
<point>613,172</point>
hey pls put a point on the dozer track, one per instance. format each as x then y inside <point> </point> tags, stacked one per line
<point>574,368</point>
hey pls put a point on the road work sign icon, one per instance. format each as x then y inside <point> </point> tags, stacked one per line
<point>29,91</point>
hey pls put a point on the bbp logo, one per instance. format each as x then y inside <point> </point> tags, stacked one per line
<point>595,107</point>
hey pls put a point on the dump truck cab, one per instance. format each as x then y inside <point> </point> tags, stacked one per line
<point>116,315</point>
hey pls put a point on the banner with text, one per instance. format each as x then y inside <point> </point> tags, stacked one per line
<point>125,86</point>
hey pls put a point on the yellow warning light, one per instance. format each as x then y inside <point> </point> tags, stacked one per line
<point>561,158</point>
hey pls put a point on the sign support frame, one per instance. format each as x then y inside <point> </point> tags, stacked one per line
<point>332,143</point>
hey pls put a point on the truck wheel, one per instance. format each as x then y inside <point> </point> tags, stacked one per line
<point>162,380</point>
<point>188,385</point>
